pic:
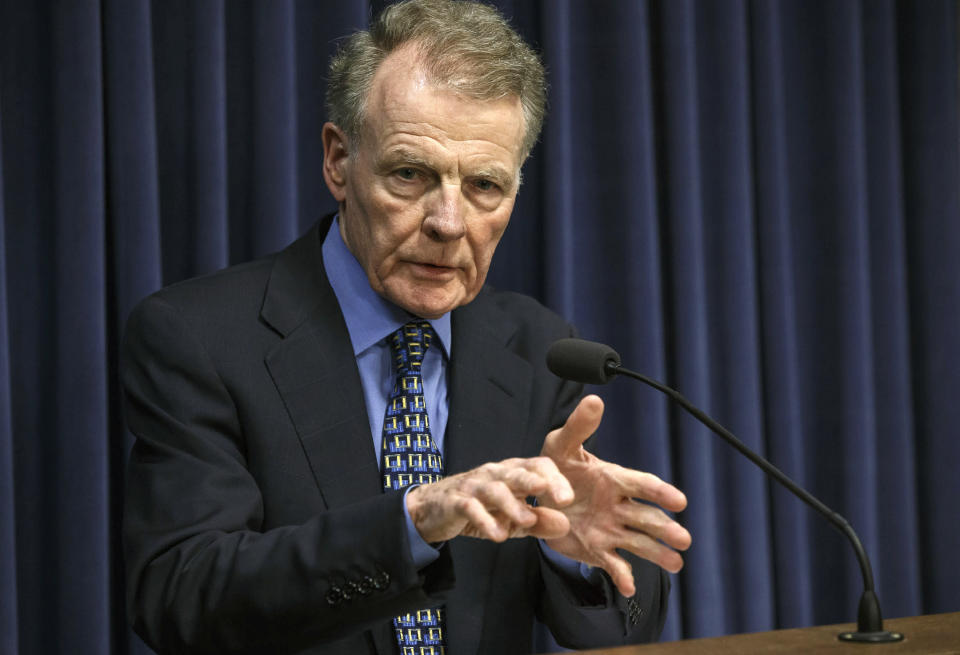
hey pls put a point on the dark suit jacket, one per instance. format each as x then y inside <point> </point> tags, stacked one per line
<point>254,516</point>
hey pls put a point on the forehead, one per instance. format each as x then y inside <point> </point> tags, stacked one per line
<point>405,103</point>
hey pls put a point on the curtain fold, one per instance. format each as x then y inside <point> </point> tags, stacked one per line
<point>687,311</point>
<point>931,168</point>
<point>8,510</point>
<point>133,183</point>
<point>784,422</point>
<point>755,201</point>
<point>74,478</point>
<point>896,557</point>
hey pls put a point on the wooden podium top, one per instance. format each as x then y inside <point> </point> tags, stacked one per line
<point>933,633</point>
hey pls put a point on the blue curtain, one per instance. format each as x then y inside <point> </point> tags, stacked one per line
<point>757,202</point>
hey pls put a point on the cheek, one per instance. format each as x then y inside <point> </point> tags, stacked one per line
<point>382,227</point>
<point>396,228</point>
<point>486,243</point>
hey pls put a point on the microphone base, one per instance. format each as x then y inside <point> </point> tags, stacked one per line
<point>881,637</point>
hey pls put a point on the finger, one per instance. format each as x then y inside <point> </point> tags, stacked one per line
<point>652,521</point>
<point>648,548</point>
<point>556,486</point>
<point>620,573</point>
<point>497,497</point>
<point>537,476</point>
<point>551,524</point>
<point>526,477</point>
<point>484,525</point>
<point>647,486</point>
<point>583,422</point>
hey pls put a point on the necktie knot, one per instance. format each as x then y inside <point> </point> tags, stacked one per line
<point>410,343</point>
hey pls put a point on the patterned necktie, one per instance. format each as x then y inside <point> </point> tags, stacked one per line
<point>410,456</point>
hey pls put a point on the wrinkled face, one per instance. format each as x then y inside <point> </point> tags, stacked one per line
<point>427,193</point>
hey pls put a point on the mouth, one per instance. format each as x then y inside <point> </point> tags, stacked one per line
<point>433,271</point>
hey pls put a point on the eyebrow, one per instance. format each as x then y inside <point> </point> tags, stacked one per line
<point>403,155</point>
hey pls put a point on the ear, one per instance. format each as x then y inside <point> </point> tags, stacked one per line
<point>335,159</point>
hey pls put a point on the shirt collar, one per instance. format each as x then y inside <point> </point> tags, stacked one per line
<point>369,317</point>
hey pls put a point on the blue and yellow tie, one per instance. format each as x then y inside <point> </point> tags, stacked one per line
<point>410,456</point>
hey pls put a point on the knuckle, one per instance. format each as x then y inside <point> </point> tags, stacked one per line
<point>543,462</point>
<point>496,489</point>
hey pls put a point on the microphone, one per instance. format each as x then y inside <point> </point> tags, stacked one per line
<point>588,362</point>
<point>582,361</point>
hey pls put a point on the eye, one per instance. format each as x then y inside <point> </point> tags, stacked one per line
<point>485,185</point>
<point>406,173</point>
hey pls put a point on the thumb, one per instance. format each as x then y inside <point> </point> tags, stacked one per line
<point>583,422</point>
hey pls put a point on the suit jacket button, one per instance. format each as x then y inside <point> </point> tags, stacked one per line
<point>335,595</point>
<point>366,585</point>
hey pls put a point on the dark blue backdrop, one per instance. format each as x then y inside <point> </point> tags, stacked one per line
<point>754,201</point>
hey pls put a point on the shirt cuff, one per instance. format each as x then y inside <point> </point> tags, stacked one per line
<point>421,552</point>
<point>569,567</point>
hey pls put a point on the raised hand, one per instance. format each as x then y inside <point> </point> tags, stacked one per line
<point>489,502</point>
<point>611,507</point>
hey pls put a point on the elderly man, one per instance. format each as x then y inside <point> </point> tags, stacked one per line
<point>352,446</point>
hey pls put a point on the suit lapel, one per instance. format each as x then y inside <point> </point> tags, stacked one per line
<point>316,374</point>
<point>489,405</point>
<point>489,388</point>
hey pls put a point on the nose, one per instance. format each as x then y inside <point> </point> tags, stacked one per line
<point>445,216</point>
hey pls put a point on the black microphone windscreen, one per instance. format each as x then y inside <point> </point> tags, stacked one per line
<point>581,361</point>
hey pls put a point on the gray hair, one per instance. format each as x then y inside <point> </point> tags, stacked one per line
<point>466,46</point>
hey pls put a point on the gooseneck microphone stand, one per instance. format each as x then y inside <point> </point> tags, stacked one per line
<point>594,363</point>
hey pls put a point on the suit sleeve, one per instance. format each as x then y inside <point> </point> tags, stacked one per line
<point>592,613</point>
<point>202,576</point>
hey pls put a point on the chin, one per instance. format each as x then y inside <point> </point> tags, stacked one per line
<point>431,307</point>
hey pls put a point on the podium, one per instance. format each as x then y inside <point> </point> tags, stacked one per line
<point>932,633</point>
